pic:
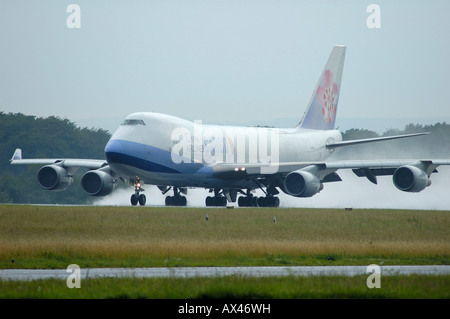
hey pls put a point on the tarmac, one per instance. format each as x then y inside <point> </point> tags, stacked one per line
<point>189,272</point>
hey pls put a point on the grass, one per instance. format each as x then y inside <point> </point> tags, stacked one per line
<point>56,236</point>
<point>234,287</point>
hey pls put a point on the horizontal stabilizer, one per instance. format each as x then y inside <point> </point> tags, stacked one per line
<point>17,155</point>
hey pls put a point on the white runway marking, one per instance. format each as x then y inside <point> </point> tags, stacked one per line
<point>189,272</point>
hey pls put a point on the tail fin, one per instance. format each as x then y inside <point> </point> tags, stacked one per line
<point>321,112</point>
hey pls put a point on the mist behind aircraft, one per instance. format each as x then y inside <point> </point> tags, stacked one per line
<point>354,192</point>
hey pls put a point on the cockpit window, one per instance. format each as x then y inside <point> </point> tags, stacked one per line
<point>133,122</point>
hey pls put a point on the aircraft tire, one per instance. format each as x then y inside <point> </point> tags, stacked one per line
<point>134,199</point>
<point>215,201</point>
<point>262,202</point>
<point>142,200</point>
<point>270,201</point>
<point>276,202</point>
<point>222,201</point>
<point>176,201</point>
<point>245,201</point>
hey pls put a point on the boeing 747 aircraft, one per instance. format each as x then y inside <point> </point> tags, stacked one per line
<point>175,154</point>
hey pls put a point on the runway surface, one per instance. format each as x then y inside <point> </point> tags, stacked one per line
<point>188,272</point>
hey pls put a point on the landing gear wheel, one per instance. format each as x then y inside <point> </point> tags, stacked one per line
<point>276,202</point>
<point>209,201</point>
<point>262,202</point>
<point>248,201</point>
<point>175,201</point>
<point>142,199</point>
<point>134,199</point>
<point>137,197</point>
<point>268,201</point>
<point>253,201</point>
<point>215,201</point>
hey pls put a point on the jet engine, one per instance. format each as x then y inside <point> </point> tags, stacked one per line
<point>302,184</point>
<point>54,177</point>
<point>410,179</point>
<point>98,183</point>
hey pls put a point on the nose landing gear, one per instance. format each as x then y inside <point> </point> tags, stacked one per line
<point>137,197</point>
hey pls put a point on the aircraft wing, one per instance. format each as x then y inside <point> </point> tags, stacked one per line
<point>325,171</point>
<point>371,140</point>
<point>370,167</point>
<point>64,162</point>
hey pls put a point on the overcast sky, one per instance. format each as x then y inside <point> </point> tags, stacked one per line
<point>222,61</point>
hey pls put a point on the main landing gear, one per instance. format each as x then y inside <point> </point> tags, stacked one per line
<point>217,200</point>
<point>137,197</point>
<point>177,199</point>
<point>253,201</point>
<point>220,198</point>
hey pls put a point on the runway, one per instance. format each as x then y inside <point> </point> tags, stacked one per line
<point>189,272</point>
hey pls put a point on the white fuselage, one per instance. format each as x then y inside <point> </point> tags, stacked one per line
<point>166,150</point>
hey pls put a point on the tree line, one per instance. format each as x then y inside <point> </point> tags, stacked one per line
<point>54,137</point>
<point>435,145</point>
<point>39,137</point>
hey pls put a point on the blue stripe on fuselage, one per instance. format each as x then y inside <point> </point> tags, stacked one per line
<point>146,157</point>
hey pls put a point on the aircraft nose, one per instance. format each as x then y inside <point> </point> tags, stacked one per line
<point>113,151</point>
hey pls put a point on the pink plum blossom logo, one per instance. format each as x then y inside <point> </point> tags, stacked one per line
<point>327,94</point>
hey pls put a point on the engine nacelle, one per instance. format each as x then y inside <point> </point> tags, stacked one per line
<point>98,183</point>
<point>302,184</point>
<point>410,179</point>
<point>54,177</point>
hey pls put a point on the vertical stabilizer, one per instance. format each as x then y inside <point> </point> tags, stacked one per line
<point>321,111</point>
